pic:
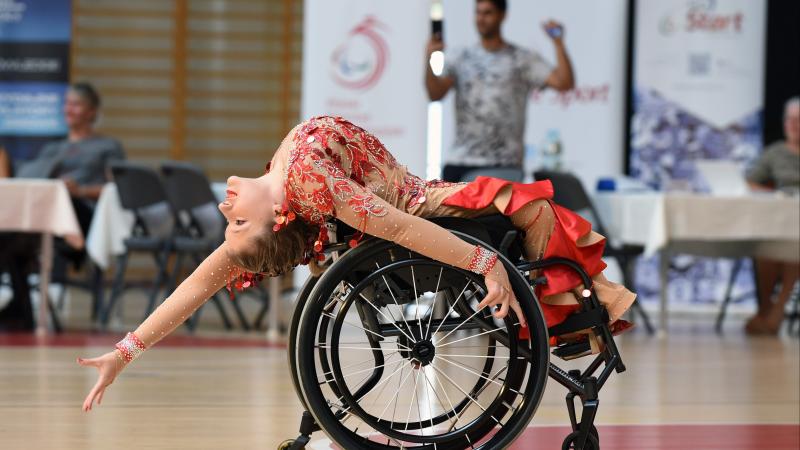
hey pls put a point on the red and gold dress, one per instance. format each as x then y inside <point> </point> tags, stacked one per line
<point>336,169</point>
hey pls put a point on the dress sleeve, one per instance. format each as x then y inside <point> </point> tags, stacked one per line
<point>208,278</point>
<point>326,183</point>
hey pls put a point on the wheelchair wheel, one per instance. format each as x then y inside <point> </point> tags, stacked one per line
<point>392,353</point>
<point>592,442</point>
<point>302,297</point>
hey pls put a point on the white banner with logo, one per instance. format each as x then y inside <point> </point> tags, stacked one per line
<point>363,60</point>
<point>697,95</point>
<point>698,80</point>
<point>589,119</point>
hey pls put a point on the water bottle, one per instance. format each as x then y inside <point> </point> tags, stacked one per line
<point>529,164</point>
<point>552,151</point>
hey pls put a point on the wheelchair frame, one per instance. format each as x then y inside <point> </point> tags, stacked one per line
<point>584,385</point>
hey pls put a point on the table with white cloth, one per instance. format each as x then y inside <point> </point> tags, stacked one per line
<point>44,207</point>
<point>765,225</point>
<point>111,225</point>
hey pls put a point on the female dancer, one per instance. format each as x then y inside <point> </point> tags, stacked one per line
<point>330,168</point>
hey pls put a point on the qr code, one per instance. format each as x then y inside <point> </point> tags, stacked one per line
<point>699,63</point>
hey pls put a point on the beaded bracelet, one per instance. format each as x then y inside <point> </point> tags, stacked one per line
<point>482,260</point>
<point>130,347</point>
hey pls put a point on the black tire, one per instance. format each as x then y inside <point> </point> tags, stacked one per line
<point>592,441</point>
<point>286,445</point>
<point>302,298</point>
<point>516,406</point>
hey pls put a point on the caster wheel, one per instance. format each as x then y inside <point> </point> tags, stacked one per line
<point>592,443</point>
<point>286,445</point>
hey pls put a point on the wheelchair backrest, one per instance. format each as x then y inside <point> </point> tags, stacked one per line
<point>493,229</point>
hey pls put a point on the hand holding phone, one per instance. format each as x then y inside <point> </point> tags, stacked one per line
<point>437,29</point>
<point>437,42</point>
<point>553,29</point>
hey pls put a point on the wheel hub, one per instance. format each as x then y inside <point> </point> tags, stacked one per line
<point>423,351</point>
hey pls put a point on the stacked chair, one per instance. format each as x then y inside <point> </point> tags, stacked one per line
<point>174,215</point>
<point>200,226</point>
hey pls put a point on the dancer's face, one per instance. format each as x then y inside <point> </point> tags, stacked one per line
<point>488,19</point>
<point>249,209</point>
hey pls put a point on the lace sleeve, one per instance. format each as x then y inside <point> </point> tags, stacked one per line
<point>209,277</point>
<point>318,189</point>
<point>370,214</point>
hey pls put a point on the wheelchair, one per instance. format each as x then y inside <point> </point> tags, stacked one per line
<point>388,351</point>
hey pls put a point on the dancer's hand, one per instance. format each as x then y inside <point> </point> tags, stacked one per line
<point>500,293</point>
<point>108,367</point>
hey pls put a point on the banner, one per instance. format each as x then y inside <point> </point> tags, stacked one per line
<point>34,72</point>
<point>363,60</point>
<point>588,119</point>
<point>697,95</point>
<point>697,87</point>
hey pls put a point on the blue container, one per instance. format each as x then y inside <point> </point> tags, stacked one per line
<point>606,185</point>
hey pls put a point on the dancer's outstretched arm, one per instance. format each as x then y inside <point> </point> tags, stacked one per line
<point>209,277</point>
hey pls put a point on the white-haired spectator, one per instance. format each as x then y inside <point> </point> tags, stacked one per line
<point>777,168</point>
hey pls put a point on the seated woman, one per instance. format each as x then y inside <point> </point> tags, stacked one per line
<point>329,168</point>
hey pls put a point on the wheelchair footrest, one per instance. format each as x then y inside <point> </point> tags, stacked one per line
<point>580,321</point>
<point>573,350</point>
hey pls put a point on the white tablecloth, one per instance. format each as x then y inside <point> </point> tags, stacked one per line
<point>111,225</point>
<point>756,225</point>
<point>656,219</point>
<point>39,206</point>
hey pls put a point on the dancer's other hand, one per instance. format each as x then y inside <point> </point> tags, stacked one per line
<point>108,367</point>
<point>499,292</point>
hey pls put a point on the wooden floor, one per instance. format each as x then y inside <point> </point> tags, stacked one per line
<point>233,391</point>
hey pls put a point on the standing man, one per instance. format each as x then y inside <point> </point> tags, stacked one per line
<point>493,80</point>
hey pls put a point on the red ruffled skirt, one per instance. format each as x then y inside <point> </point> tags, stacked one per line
<point>567,230</point>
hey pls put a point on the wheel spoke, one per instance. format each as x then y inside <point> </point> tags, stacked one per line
<point>400,382</point>
<point>364,370</point>
<point>349,366</point>
<point>441,403</point>
<point>460,325</point>
<point>470,337</point>
<point>331,316</point>
<point>433,303</point>
<point>413,396</point>
<point>345,347</point>
<point>378,396</point>
<point>467,369</point>
<point>483,388</point>
<point>477,356</point>
<point>471,399</point>
<point>444,391</point>
<point>450,310</point>
<point>402,314</point>
<point>416,299</point>
<point>390,319</point>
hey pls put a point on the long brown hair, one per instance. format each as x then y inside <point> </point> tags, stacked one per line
<point>275,253</point>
